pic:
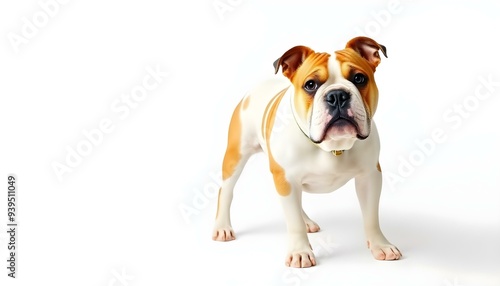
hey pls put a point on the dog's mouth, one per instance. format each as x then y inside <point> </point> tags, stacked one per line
<point>341,128</point>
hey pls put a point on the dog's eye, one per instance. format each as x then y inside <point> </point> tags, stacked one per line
<point>359,79</point>
<point>310,86</point>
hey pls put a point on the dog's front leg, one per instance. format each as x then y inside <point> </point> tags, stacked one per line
<point>368,189</point>
<point>299,253</point>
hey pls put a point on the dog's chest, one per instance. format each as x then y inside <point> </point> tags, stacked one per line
<point>326,172</point>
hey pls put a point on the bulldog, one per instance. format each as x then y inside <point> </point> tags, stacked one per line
<point>331,140</point>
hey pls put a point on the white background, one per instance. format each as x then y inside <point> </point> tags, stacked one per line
<point>118,212</point>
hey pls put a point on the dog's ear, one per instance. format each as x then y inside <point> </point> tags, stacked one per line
<point>368,49</point>
<point>291,60</point>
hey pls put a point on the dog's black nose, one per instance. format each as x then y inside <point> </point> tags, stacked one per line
<point>337,98</point>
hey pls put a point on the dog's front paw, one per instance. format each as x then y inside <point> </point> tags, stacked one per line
<point>384,251</point>
<point>223,234</point>
<point>300,259</point>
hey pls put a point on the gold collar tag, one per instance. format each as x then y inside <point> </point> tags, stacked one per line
<point>337,152</point>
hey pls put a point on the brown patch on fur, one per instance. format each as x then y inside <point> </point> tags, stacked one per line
<point>233,154</point>
<point>368,49</point>
<point>350,63</point>
<point>314,67</point>
<point>246,102</point>
<point>378,167</point>
<point>280,182</point>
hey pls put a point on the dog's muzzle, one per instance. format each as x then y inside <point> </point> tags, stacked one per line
<point>339,107</point>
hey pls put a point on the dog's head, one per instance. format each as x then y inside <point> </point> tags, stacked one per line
<point>335,96</point>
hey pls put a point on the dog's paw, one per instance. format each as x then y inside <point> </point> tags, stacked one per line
<point>300,259</point>
<point>223,234</point>
<point>384,251</point>
<point>312,226</point>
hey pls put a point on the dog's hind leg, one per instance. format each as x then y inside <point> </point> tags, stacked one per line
<point>238,151</point>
